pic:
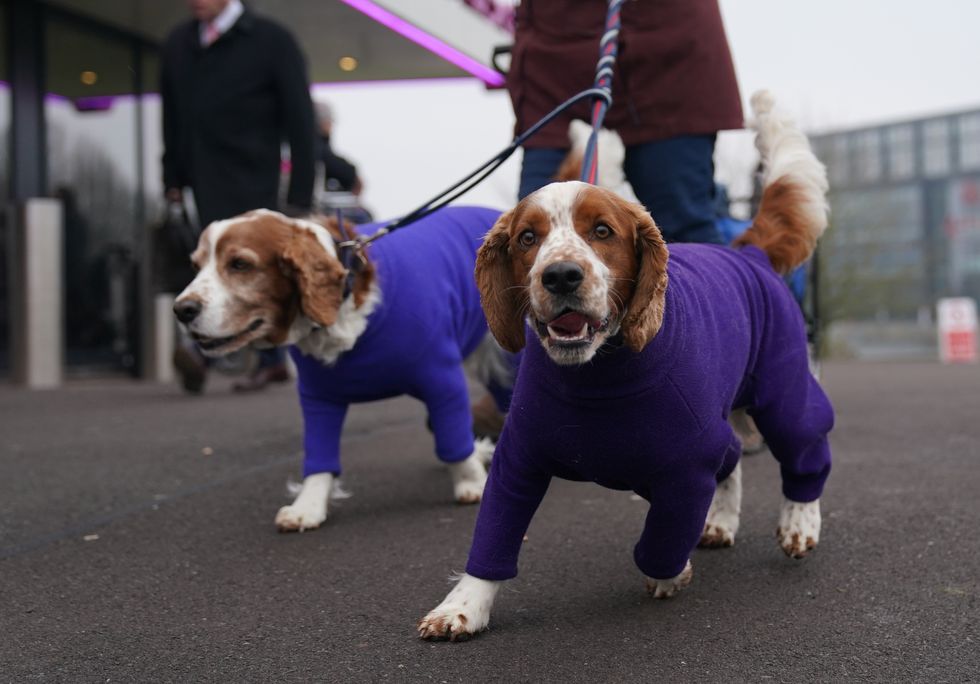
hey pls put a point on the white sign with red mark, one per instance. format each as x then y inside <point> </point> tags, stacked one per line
<point>957,330</point>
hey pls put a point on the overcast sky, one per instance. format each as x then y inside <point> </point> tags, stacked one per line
<point>834,63</point>
<point>850,62</point>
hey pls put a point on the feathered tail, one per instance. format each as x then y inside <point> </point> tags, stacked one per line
<point>793,211</point>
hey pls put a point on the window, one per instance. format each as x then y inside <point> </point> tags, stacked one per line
<point>837,162</point>
<point>969,125</point>
<point>935,148</point>
<point>900,146</point>
<point>91,120</point>
<point>888,215</point>
<point>867,156</point>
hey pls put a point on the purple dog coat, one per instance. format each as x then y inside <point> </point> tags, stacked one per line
<point>429,319</point>
<point>655,422</point>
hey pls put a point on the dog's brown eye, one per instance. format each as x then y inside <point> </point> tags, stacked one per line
<point>602,231</point>
<point>240,265</point>
<point>527,238</point>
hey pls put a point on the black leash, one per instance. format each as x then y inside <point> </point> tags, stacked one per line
<point>474,179</point>
<point>600,92</point>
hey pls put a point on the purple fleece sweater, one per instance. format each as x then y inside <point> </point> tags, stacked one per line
<point>655,422</point>
<point>428,321</point>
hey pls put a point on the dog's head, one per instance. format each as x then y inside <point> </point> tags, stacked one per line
<point>581,264</point>
<point>265,279</point>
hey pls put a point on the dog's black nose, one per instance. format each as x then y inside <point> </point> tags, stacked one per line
<point>562,277</point>
<point>187,310</point>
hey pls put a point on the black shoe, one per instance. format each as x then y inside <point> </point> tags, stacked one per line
<point>192,369</point>
<point>262,377</point>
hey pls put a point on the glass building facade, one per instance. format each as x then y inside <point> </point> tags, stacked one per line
<point>93,115</point>
<point>905,222</point>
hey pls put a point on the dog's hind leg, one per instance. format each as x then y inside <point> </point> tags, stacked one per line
<point>721,524</point>
<point>495,369</point>
<point>748,433</point>
<point>799,527</point>
<point>470,475</point>
<point>447,400</point>
<point>795,423</point>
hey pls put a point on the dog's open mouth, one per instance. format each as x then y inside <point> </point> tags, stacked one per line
<point>213,343</point>
<point>571,328</point>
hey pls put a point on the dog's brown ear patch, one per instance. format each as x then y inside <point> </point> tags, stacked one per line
<point>499,293</point>
<point>645,313</point>
<point>318,275</point>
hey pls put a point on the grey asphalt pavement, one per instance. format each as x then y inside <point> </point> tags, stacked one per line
<point>137,544</point>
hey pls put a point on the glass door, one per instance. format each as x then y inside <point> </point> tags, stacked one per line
<point>93,159</point>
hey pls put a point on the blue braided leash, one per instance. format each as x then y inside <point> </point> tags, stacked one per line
<point>608,51</point>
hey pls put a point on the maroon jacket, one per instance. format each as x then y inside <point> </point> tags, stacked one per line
<point>674,74</point>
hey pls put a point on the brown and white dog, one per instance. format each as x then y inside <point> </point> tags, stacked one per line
<point>587,268</point>
<point>268,280</point>
<point>612,157</point>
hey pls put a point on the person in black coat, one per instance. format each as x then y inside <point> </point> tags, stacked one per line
<point>234,88</point>
<point>228,106</point>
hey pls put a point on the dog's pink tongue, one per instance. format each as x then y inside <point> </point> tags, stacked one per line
<point>570,323</point>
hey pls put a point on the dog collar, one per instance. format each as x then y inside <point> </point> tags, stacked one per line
<point>350,253</point>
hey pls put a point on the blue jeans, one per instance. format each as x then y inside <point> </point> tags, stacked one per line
<point>673,179</point>
<point>271,357</point>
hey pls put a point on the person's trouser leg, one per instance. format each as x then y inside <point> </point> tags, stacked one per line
<point>539,168</point>
<point>271,357</point>
<point>674,180</point>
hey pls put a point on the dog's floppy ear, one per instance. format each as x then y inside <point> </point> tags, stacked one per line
<point>499,294</point>
<point>318,275</point>
<point>645,313</point>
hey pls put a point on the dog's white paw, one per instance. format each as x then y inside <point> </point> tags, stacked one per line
<point>721,524</point>
<point>719,531</point>
<point>799,527</point>
<point>665,588</point>
<point>452,622</point>
<point>483,448</point>
<point>469,479</point>
<point>463,613</point>
<point>296,518</point>
<point>309,510</point>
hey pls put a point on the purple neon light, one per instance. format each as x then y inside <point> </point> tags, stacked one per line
<point>428,41</point>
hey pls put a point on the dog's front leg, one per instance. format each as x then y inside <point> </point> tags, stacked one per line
<point>665,588</point>
<point>679,503</point>
<point>514,490</point>
<point>464,612</point>
<point>799,527</point>
<point>309,510</point>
